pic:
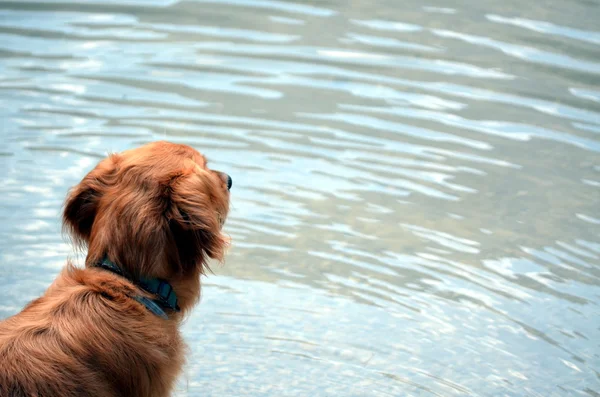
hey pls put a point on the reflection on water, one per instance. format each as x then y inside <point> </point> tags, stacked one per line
<point>416,199</point>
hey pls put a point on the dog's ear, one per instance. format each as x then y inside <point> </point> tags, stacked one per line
<point>81,205</point>
<point>198,206</point>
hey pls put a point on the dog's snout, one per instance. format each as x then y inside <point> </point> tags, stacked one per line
<point>225,178</point>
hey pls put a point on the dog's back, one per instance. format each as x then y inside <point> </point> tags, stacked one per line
<point>84,337</point>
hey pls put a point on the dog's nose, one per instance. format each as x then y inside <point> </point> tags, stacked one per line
<point>229,182</point>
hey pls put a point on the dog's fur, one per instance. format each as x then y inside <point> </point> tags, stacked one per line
<point>157,211</point>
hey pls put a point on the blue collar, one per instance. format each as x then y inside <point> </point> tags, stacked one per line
<point>166,296</point>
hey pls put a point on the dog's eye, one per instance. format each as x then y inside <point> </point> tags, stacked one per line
<point>229,182</point>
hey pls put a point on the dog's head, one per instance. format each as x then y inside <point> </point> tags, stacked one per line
<point>156,210</point>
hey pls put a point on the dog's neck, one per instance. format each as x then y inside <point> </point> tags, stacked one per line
<point>165,296</point>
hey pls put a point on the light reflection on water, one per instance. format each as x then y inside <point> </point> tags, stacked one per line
<point>415,206</point>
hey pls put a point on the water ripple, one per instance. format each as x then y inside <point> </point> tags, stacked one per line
<point>415,206</point>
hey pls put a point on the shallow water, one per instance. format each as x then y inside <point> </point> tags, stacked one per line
<point>416,187</point>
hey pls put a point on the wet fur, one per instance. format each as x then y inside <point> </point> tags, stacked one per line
<point>157,211</point>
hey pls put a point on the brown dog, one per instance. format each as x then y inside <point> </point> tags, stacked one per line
<point>150,217</point>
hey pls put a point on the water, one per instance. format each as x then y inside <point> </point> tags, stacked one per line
<point>416,186</point>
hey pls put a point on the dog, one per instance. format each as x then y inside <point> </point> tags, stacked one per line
<point>151,218</point>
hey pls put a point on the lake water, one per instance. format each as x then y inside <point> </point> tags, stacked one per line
<point>415,208</point>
